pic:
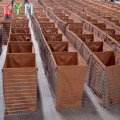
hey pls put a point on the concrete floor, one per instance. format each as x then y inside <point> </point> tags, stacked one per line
<point>46,108</point>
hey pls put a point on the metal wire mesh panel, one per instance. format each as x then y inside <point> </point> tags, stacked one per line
<point>5,32</point>
<point>20,90</point>
<point>0,39</point>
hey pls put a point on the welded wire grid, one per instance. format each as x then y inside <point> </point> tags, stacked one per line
<point>20,91</point>
<point>72,38</point>
<point>5,32</point>
<point>97,80</point>
<point>112,86</point>
<point>1,39</point>
<point>104,83</point>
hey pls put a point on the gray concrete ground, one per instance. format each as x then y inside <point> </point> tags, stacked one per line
<point>45,105</point>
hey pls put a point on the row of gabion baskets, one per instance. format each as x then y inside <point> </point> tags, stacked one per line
<point>20,70</point>
<point>104,76</point>
<point>64,67</point>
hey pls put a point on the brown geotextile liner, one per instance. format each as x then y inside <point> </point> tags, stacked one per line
<point>20,47</point>
<point>20,30</point>
<point>20,83</point>
<point>97,46</point>
<point>43,19</point>
<point>53,37</point>
<point>57,46</point>
<point>49,30</point>
<point>76,28</point>
<point>86,37</point>
<point>20,37</point>
<point>18,24</point>
<point>66,87</point>
<point>47,24</point>
<point>116,37</point>
<point>108,31</point>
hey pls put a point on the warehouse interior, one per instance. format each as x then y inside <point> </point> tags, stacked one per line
<point>59,60</point>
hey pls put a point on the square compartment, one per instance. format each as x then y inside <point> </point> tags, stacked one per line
<point>20,47</point>
<point>20,37</point>
<point>53,37</point>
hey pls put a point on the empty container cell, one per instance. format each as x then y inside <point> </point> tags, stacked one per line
<point>93,20</point>
<point>19,24</point>
<point>64,17</point>
<point>76,28</point>
<point>58,46</point>
<point>47,24</point>
<point>100,25</point>
<point>108,31</point>
<point>116,37</point>
<point>49,30</point>
<point>20,47</point>
<point>20,30</point>
<point>114,21</point>
<point>43,19</point>
<point>53,37</point>
<point>98,46</point>
<point>107,18</point>
<point>60,14</point>
<point>86,37</point>
<point>20,37</point>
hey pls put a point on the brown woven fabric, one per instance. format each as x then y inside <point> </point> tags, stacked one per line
<point>20,30</point>
<point>49,30</point>
<point>20,37</point>
<point>53,37</point>
<point>58,46</point>
<point>18,24</point>
<point>20,47</point>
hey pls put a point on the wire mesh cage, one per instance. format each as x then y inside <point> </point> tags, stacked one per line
<point>52,46</point>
